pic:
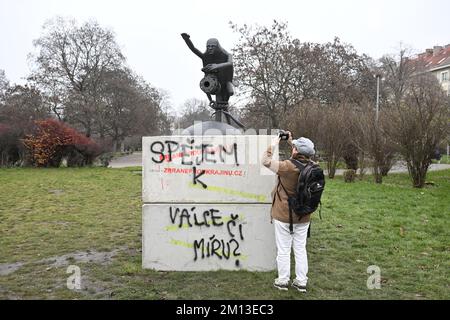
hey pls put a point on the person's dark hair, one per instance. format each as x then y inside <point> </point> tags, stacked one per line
<point>301,157</point>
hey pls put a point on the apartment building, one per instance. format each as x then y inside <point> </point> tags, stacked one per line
<point>437,61</point>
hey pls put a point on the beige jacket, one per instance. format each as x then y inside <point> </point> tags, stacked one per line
<point>287,176</point>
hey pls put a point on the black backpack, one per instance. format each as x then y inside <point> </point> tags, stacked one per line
<point>310,186</point>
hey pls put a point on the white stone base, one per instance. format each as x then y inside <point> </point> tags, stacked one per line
<point>239,237</point>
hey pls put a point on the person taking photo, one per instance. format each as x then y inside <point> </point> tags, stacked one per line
<point>288,174</point>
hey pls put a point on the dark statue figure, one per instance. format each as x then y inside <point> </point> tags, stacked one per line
<point>218,69</point>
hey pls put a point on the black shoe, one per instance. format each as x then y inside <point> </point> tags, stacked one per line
<point>296,284</point>
<point>281,285</point>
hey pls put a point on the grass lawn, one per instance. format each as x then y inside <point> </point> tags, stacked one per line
<point>49,213</point>
<point>445,159</point>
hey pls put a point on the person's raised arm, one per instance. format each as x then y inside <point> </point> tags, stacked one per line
<point>187,39</point>
<point>278,167</point>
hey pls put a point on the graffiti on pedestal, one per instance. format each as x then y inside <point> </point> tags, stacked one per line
<point>221,233</point>
<point>193,154</point>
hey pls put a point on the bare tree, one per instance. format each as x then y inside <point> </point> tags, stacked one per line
<point>398,72</point>
<point>4,85</point>
<point>20,107</point>
<point>129,106</point>
<point>277,73</point>
<point>333,134</point>
<point>70,64</point>
<point>369,135</point>
<point>22,104</point>
<point>328,125</point>
<point>305,119</point>
<point>417,110</point>
<point>119,99</point>
<point>193,110</point>
<point>419,122</point>
<point>155,110</point>
<point>340,73</point>
<point>263,64</point>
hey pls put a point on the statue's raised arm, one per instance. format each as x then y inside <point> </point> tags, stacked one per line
<point>187,39</point>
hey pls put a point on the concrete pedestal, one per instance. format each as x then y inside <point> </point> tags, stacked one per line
<point>207,204</point>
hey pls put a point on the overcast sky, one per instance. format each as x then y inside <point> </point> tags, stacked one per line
<point>149,31</point>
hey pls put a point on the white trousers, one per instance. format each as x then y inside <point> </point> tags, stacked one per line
<point>285,241</point>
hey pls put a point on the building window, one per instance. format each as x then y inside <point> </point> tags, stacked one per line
<point>444,76</point>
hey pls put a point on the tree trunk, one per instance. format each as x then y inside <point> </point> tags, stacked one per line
<point>421,177</point>
<point>274,121</point>
<point>115,144</point>
<point>377,173</point>
<point>386,166</point>
<point>418,172</point>
<point>384,170</point>
<point>331,166</point>
<point>362,165</point>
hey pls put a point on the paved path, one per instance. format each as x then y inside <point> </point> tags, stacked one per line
<point>400,168</point>
<point>135,160</point>
<point>132,160</point>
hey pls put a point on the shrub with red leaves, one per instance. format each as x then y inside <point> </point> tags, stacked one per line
<point>53,140</point>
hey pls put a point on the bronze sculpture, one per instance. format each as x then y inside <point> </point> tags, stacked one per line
<point>218,69</point>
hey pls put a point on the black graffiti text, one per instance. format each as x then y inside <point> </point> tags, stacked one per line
<point>191,218</point>
<point>192,153</point>
<point>211,246</point>
<point>215,247</point>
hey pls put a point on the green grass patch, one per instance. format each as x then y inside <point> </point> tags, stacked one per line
<point>53,212</point>
<point>445,159</point>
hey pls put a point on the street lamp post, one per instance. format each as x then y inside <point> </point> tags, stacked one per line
<point>378,76</point>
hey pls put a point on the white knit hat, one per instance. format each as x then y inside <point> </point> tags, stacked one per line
<point>304,146</point>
